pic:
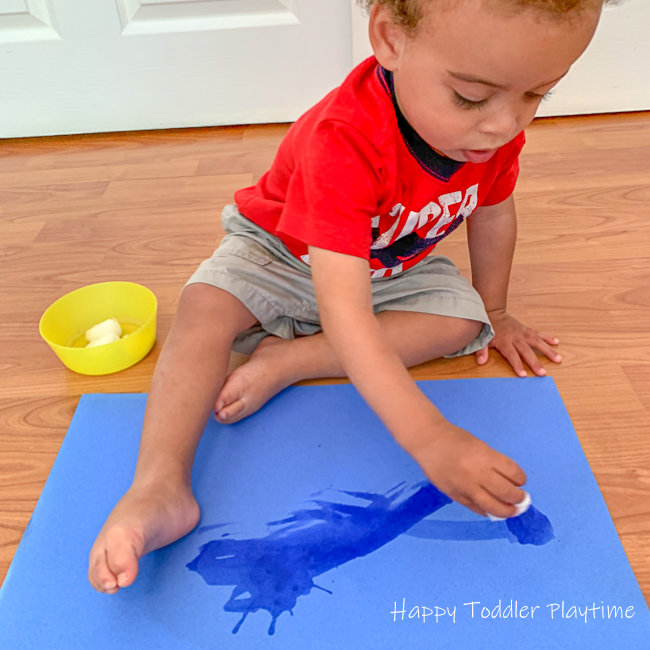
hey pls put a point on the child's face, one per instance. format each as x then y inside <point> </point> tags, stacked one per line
<point>521,54</point>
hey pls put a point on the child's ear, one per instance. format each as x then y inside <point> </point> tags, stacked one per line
<point>386,37</point>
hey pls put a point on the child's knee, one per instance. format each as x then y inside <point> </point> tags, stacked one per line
<point>202,303</point>
<point>468,331</point>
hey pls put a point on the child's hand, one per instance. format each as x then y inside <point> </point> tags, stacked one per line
<point>517,343</point>
<point>471,472</point>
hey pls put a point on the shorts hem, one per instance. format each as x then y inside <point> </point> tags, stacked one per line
<point>231,284</point>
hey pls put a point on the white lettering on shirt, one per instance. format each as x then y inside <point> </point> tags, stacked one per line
<point>445,201</point>
<point>469,202</point>
<point>383,240</point>
<point>429,213</point>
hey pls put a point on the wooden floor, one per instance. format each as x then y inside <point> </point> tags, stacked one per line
<point>145,207</point>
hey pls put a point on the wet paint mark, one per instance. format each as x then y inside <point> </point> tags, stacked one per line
<point>465,531</point>
<point>532,527</point>
<point>272,572</point>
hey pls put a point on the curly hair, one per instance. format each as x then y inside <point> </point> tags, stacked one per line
<point>408,13</point>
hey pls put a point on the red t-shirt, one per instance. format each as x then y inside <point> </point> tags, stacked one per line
<point>353,176</point>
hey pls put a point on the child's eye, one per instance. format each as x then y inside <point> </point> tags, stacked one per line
<point>468,104</point>
<point>540,98</point>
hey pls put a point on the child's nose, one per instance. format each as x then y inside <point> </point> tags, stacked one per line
<point>501,127</point>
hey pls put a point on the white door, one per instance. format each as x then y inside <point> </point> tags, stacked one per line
<point>82,66</point>
<point>613,75</point>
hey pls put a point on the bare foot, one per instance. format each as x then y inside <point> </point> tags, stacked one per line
<point>143,520</point>
<point>250,386</point>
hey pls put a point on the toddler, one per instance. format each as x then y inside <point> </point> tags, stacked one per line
<point>338,235</point>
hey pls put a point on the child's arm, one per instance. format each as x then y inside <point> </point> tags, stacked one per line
<point>491,232</point>
<point>459,464</point>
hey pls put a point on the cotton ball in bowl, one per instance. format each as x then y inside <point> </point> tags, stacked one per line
<point>111,337</point>
<point>110,326</point>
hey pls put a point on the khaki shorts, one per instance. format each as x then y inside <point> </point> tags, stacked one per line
<point>258,269</point>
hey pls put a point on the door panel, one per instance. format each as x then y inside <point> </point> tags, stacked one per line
<point>160,16</point>
<point>26,20</point>
<point>144,64</point>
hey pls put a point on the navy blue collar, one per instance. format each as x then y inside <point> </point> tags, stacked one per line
<point>430,160</point>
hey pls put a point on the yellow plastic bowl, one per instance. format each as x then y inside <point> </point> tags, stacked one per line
<point>64,325</point>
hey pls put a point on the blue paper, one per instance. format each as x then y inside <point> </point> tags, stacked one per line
<point>318,531</point>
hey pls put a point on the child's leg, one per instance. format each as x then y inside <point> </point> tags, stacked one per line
<point>278,363</point>
<point>159,508</point>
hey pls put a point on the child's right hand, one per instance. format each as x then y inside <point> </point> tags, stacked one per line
<point>465,468</point>
<point>471,472</point>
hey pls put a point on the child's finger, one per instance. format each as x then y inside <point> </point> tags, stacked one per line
<point>470,505</point>
<point>529,356</point>
<point>494,506</point>
<point>482,356</point>
<point>551,340</point>
<point>512,357</point>
<point>547,350</point>
<point>503,489</point>
<point>508,468</point>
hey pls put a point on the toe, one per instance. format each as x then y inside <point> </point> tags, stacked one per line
<point>233,412</point>
<point>122,558</point>
<point>100,576</point>
<point>229,394</point>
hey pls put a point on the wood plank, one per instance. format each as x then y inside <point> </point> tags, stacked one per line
<point>99,173</point>
<point>182,193</point>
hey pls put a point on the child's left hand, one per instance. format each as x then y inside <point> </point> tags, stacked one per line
<point>517,343</point>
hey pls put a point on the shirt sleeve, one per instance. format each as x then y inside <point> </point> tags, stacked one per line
<point>334,190</point>
<point>506,179</point>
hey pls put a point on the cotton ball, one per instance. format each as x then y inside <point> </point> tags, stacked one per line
<point>522,506</point>
<point>111,337</point>
<point>110,326</point>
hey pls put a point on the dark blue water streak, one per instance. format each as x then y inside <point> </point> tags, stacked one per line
<point>532,527</point>
<point>272,572</point>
